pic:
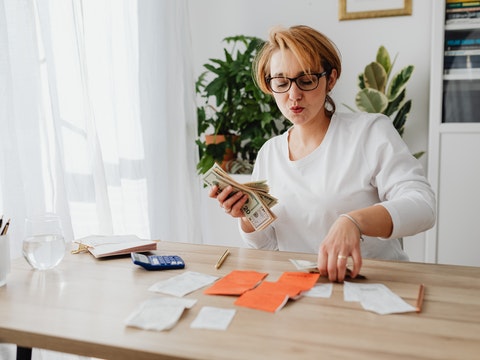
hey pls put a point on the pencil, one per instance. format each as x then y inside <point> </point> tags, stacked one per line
<point>421,293</point>
<point>222,259</point>
<point>5,228</point>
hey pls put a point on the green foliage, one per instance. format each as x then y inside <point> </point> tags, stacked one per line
<point>232,104</point>
<point>379,94</point>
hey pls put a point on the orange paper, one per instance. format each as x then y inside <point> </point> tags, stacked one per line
<point>272,296</point>
<point>236,283</point>
<point>303,280</point>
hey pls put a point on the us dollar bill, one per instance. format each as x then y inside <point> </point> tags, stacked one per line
<point>257,207</point>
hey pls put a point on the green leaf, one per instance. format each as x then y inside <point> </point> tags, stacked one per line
<point>360,82</point>
<point>383,58</point>
<point>401,117</point>
<point>418,154</point>
<point>399,82</point>
<point>375,76</point>
<point>371,101</point>
<point>394,104</point>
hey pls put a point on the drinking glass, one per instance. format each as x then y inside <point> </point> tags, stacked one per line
<point>44,244</point>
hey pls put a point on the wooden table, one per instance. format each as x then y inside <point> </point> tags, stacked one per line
<point>80,308</point>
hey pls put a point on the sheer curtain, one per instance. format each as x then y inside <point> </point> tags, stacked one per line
<point>97,118</point>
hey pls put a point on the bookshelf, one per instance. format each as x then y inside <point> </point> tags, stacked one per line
<point>454,133</point>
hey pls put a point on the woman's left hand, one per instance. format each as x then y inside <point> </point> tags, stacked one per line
<point>341,243</point>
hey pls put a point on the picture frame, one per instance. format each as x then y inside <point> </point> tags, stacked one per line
<point>363,9</point>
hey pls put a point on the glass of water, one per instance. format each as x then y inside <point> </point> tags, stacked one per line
<point>44,244</point>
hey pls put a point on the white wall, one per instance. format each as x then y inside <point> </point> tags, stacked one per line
<point>358,41</point>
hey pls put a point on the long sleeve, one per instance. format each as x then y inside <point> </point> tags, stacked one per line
<point>361,162</point>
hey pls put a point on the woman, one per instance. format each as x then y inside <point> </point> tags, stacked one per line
<point>347,184</point>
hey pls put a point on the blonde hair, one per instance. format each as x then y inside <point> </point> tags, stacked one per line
<point>312,49</point>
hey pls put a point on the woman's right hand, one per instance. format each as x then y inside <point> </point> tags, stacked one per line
<point>231,202</point>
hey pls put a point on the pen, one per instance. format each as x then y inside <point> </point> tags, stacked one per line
<point>222,259</point>
<point>421,293</point>
<point>1,221</point>
<point>5,228</point>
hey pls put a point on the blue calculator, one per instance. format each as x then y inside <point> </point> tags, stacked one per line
<point>158,262</point>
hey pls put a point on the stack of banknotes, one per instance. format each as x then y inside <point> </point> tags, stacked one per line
<point>257,208</point>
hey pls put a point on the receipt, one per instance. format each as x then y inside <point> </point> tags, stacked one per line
<point>213,318</point>
<point>183,284</point>
<point>376,297</point>
<point>159,313</point>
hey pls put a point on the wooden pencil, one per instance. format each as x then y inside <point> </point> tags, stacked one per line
<point>222,259</point>
<point>421,293</point>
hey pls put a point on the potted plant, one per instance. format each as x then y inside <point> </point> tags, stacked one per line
<point>233,110</point>
<point>379,94</point>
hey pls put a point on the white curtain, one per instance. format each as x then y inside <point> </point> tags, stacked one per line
<point>97,118</point>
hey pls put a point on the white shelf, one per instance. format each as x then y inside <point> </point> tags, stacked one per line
<point>463,25</point>
<point>459,127</point>
<point>462,74</point>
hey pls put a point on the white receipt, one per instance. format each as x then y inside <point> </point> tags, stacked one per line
<point>159,313</point>
<point>320,291</point>
<point>213,318</point>
<point>183,284</point>
<point>376,297</point>
<point>304,264</point>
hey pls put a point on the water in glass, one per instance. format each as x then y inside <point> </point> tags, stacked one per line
<point>44,245</point>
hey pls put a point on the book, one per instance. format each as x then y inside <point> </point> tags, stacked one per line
<point>103,246</point>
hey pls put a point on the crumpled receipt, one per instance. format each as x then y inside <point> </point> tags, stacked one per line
<point>159,313</point>
<point>376,297</point>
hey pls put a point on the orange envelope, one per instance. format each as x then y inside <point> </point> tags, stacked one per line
<point>236,283</point>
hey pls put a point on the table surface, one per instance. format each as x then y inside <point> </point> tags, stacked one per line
<point>80,307</point>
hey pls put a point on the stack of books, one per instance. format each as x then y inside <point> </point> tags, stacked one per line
<point>462,38</point>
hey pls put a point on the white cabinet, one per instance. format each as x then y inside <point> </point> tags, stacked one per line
<point>454,140</point>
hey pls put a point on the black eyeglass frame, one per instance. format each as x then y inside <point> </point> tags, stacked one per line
<point>268,79</point>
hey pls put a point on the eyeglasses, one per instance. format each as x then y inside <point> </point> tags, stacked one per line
<point>305,82</point>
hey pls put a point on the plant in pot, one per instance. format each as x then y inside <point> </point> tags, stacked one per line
<point>379,94</point>
<point>235,117</point>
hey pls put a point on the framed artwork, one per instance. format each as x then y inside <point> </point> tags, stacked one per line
<point>362,9</point>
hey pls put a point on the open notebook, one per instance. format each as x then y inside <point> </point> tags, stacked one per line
<point>103,246</point>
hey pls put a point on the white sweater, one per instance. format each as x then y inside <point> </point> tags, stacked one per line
<point>362,161</point>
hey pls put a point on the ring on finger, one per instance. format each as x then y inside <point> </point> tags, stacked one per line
<point>228,210</point>
<point>340,257</point>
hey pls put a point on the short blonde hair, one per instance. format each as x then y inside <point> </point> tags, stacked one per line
<point>312,49</point>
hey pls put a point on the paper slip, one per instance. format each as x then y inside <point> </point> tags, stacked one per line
<point>159,313</point>
<point>268,296</point>
<point>213,318</point>
<point>320,291</point>
<point>376,297</point>
<point>257,208</point>
<point>304,281</point>
<point>183,284</point>
<point>304,264</point>
<point>311,266</point>
<point>236,283</point>
<point>272,296</point>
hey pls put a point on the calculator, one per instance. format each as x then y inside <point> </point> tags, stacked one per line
<point>158,262</point>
